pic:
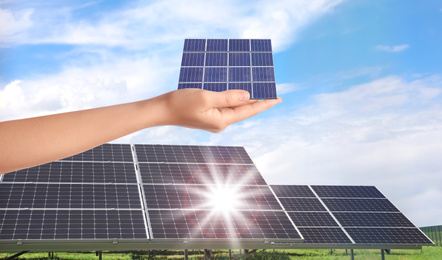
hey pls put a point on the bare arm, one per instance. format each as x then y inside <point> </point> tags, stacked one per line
<point>30,142</point>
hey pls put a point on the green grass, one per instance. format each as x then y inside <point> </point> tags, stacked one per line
<point>301,254</point>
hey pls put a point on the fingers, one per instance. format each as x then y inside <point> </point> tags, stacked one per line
<point>229,98</point>
<point>250,109</point>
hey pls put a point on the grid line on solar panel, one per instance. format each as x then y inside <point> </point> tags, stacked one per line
<point>72,224</point>
<point>357,204</point>
<point>192,154</point>
<point>105,153</point>
<point>52,196</point>
<point>202,224</point>
<point>347,191</point>
<point>200,197</point>
<point>180,173</point>
<point>327,235</point>
<point>76,172</point>
<point>388,236</point>
<point>372,219</point>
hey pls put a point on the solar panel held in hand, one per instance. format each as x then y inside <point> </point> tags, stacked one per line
<point>224,64</point>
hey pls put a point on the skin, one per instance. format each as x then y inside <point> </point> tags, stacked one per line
<point>29,142</point>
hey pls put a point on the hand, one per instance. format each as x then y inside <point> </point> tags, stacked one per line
<point>208,110</point>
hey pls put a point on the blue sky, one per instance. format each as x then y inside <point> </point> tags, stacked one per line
<point>360,81</point>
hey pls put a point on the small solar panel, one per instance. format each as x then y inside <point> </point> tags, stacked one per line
<point>221,64</point>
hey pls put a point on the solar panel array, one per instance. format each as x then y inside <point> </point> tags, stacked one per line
<point>162,195</point>
<point>347,215</point>
<point>223,64</point>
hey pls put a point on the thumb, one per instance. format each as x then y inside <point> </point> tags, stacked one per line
<point>229,98</point>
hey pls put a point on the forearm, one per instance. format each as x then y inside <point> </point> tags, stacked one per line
<point>29,142</point>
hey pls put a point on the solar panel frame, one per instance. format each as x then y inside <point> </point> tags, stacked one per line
<point>229,61</point>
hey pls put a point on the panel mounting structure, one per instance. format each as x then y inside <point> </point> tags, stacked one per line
<point>223,64</point>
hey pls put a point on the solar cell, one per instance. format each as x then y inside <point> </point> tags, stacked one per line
<point>203,224</point>
<point>261,45</point>
<point>302,204</point>
<point>199,197</point>
<point>239,45</point>
<point>194,45</point>
<point>373,205</point>
<point>239,74</point>
<point>347,191</point>
<point>216,44</point>
<point>372,219</point>
<point>193,59</point>
<point>295,191</point>
<point>215,59</point>
<point>312,219</point>
<point>240,59</point>
<point>324,235</point>
<point>71,224</point>
<point>105,153</point>
<point>388,236</point>
<point>228,63</point>
<point>215,75</point>
<point>76,171</point>
<point>192,154</point>
<point>53,196</point>
<point>179,173</point>
<point>218,87</point>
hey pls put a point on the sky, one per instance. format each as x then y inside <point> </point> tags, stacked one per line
<point>361,81</point>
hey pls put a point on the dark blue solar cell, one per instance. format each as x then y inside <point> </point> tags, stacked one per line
<point>216,59</point>
<point>264,91</point>
<point>215,75</point>
<point>261,45</point>
<point>239,59</point>
<point>263,74</point>
<point>262,59</point>
<point>242,85</point>
<point>191,75</point>
<point>218,87</point>
<point>190,85</point>
<point>239,74</point>
<point>192,59</point>
<point>216,44</point>
<point>194,45</point>
<point>239,45</point>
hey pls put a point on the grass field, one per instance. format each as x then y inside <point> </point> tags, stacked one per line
<point>317,254</point>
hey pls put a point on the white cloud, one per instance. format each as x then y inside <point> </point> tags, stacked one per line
<point>397,48</point>
<point>162,22</point>
<point>14,24</point>
<point>385,133</point>
<point>120,80</point>
<point>285,88</point>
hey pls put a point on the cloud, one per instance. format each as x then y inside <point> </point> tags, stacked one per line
<point>139,25</point>
<point>286,88</point>
<point>14,24</point>
<point>397,48</point>
<point>386,133</point>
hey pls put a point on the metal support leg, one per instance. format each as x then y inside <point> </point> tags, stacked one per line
<point>99,254</point>
<point>230,253</point>
<point>382,254</point>
<point>186,254</point>
<point>346,252</point>
<point>207,254</point>
<point>352,254</point>
<point>16,255</point>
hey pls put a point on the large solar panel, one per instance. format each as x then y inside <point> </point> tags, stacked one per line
<point>223,64</point>
<point>353,216</point>
<point>138,197</point>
